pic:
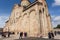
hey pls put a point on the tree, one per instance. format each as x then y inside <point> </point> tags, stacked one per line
<point>58,26</point>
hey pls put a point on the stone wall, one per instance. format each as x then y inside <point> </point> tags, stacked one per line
<point>35,20</point>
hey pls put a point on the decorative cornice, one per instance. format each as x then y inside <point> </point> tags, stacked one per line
<point>32,4</point>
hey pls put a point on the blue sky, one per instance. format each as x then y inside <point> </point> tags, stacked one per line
<point>7,5</point>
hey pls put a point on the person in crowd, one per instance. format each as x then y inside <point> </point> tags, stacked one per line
<point>52,35</point>
<point>49,35</point>
<point>21,35</point>
<point>3,34</point>
<point>8,34</point>
<point>55,33</point>
<point>25,34</point>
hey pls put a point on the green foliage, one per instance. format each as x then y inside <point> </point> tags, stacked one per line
<point>58,26</point>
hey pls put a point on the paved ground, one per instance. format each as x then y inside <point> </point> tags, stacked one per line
<point>57,36</point>
<point>35,39</point>
<point>17,38</point>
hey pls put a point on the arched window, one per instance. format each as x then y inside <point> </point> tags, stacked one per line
<point>40,11</point>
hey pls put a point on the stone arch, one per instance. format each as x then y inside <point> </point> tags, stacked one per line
<point>24,14</point>
<point>32,10</point>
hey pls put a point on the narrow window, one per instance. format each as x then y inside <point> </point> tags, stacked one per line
<point>43,10</point>
<point>40,11</point>
<point>45,5</point>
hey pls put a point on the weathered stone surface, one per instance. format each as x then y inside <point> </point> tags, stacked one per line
<point>33,19</point>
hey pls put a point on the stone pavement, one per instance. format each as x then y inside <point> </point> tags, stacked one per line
<point>30,39</point>
<point>16,37</point>
<point>57,37</point>
<point>12,37</point>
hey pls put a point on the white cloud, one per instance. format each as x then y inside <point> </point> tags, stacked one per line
<point>3,19</point>
<point>53,16</point>
<point>55,20</point>
<point>54,24</point>
<point>56,3</point>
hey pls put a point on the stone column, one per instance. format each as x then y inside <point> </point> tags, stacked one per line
<point>45,24</point>
<point>48,18</point>
<point>42,24</point>
<point>49,23</point>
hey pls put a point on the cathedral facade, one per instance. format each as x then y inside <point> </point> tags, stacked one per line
<point>32,18</point>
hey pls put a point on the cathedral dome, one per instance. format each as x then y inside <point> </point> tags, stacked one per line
<point>25,2</point>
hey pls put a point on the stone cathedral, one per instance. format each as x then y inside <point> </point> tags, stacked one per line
<point>32,18</point>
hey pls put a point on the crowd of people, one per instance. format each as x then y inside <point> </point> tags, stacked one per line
<point>50,34</point>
